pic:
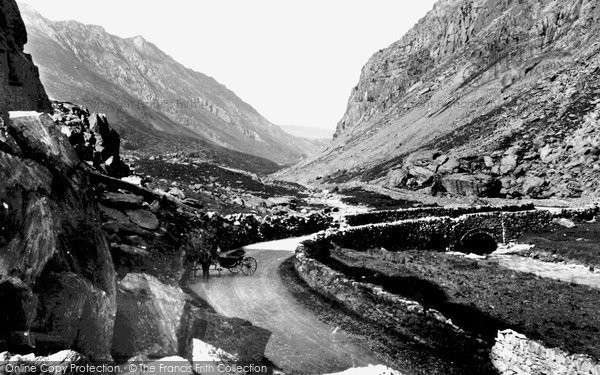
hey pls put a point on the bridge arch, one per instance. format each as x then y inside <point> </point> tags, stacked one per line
<point>478,241</point>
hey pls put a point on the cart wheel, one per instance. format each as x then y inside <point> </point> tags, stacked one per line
<point>236,268</point>
<point>249,266</point>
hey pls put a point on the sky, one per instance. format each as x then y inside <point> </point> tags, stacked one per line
<point>295,61</point>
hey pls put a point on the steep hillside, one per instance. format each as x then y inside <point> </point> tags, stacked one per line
<point>19,78</point>
<point>485,96</point>
<point>149,92</point>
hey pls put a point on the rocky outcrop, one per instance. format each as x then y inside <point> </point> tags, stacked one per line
<point>19,77</point>
<point>92,138</point>
<point>151,318</point>
<point>154,320</point>
<point>57,280</point>
<point>501,88</point>
<point>55,266</point>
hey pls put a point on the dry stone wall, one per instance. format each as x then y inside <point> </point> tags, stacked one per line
<point>512,354</point>
<point>438,233</point>
<point>419,213</point>
<point>372,303</point>
<point>515,354</point>
<point>239,230</point>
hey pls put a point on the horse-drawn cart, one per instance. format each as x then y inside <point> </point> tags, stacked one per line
<point>235,261</point>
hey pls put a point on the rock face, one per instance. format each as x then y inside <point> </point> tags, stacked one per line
<point>19,77</point>
<point>146,89</point>
<point>155,319</point>
<point>471,185</point>
<point>55,263</point>
<point>508,89</point>
<point>150,317</point>
<point>92,138</point>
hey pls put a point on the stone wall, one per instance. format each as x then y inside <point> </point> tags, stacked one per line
<point>438,233</point>
<point>515,354</point>
<point>419,213</point>
<point>372,303</point>
<point>239,230</point>
<point>512,354</point>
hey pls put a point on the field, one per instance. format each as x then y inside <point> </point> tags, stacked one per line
<point>481,297</point>
<point>580,244</point>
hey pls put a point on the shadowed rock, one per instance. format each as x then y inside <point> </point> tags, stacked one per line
<point>19,77</point>
<point>52,231</point>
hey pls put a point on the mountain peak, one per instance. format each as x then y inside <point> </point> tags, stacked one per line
<point>135,79</point>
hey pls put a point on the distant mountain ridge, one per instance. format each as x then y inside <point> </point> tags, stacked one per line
<point>309,132</point>
<point>477,90</point>
<point>148,96</point>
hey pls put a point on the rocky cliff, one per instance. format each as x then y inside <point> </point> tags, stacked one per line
<point>494,96</point>
<point>19,78</point>
<point>146,90</point>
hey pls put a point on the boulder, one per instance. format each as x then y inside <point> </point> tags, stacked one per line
<point>121,201</point>
<point>143,218</point>
<point>254,201</point>
<point>396,178</point>
<point>113,214</point>
<point>508,163</point>
<point>421,175</point>
<point>480,185</point>
<point>177,193</point>
<point>564,222</point>
<point>74,313</point>
<point>449,166</point>
<point>235,336</point>
<point>547,154</point>
<point>532,185</point>
<point>150,318</point>
<point>488,161</point>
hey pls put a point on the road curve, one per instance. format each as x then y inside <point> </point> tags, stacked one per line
<point>300,342</point>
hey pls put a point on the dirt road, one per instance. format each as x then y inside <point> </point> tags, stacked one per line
<point>300,343</point>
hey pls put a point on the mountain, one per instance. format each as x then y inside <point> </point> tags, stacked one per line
<point>151,96</point>
<point>477,93</point>
<point>309,132</point>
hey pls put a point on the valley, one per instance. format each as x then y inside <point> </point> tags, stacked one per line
<point>149,215</point>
